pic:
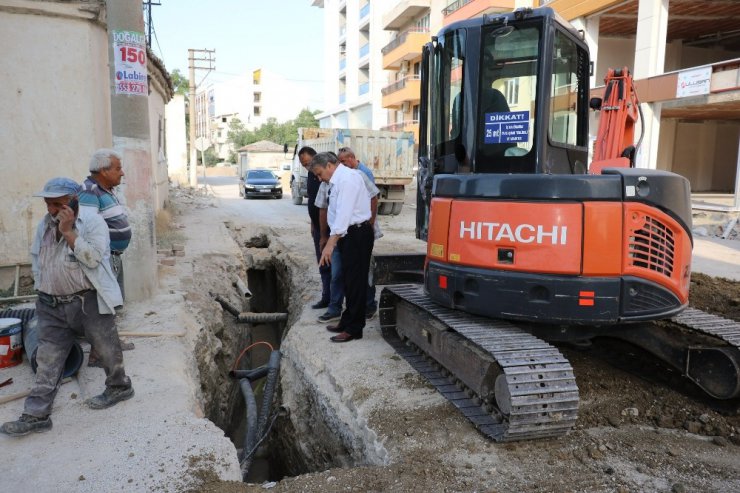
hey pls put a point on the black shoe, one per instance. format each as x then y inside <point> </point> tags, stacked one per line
<point>320,305</point>
<point>329,317</point>
<point>369,315</point>
<point>110,397</point>
<point>25,425</point>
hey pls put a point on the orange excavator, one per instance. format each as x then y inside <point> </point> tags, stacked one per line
<point>528,245</point>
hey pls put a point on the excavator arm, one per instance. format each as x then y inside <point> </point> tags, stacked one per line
<point>614,146</point>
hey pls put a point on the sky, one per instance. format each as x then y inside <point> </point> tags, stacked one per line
<point>282,36</point>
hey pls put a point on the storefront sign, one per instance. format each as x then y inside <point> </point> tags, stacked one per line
<point>694,82</point>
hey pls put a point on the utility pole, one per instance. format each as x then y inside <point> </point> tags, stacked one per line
<point>148,8</point>
<point>129,97</point>
<point>207,57</point>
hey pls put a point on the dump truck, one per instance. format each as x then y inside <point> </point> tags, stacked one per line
<point>389,155</point>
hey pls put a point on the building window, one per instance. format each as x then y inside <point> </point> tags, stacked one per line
<point>257,111</point>
<point>223,119</point>
<point>415,113</point>
<point>422,24</point>
<point>512,91</point>
<point>257,97</point>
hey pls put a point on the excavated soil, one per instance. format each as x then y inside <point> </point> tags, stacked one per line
<point>633,435</point>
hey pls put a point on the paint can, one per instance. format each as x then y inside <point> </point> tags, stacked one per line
<point>11,342</point>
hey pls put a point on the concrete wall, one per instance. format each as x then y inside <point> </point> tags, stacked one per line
<point>56,108</point>
<point>157,130</point>
<point>176,140</point>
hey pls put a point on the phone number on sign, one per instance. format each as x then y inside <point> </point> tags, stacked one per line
<point>133,87</point>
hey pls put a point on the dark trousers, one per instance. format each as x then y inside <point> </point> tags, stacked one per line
<point>116,263</point>
<point>57,329</point>
<point>355,249</point>
<point>324,271</point>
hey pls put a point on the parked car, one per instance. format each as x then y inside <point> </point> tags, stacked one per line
<point>261,183</point>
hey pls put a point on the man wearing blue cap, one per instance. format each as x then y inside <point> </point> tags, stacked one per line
<point>77,294</point>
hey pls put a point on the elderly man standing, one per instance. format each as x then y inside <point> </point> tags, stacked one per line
<point>77,295</point>
<point>98,197</point>
<point>106,171</point>
<point>349,221</point>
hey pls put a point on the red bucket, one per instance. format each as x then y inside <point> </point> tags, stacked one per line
<point>11,342</point>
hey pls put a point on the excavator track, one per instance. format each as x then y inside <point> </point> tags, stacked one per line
<point>712,325</point>
<point>716,367</point>
<point>520,387</point>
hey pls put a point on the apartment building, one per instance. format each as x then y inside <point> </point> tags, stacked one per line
<point>252,98</point>
<point>353,38</point>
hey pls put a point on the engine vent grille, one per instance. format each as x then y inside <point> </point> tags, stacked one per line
<point>652,247</point>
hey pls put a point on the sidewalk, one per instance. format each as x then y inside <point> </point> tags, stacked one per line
<point>156,441</point>
<point>717,257</point>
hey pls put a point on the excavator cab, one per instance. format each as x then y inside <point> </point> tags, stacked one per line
<point>503,94</point>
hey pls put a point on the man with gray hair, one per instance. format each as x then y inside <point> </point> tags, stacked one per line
<point>349,218</point>
<point>98,197</point>
<point>97,194</point>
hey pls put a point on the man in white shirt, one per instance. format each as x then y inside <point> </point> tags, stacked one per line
<point>351,232</point>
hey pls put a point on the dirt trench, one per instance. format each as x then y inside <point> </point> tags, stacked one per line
<point>274,282</point>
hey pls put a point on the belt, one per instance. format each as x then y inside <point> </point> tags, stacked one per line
<point>116,252</point>
<point>52,300</point>
<point>359,225</point>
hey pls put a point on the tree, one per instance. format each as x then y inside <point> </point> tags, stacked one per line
<point>279,133</point>
<point>180,83</point>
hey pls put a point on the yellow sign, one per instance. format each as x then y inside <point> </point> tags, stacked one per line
<point>437,250</point>
<point>454,257</point>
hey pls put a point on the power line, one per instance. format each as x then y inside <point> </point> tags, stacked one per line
<point>147,6</point>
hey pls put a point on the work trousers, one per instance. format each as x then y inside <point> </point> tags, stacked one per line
<point>355,249</point>
<point>324,270</point>
<point>57,328</point>
<point>116,263</point>
<point>337,286</point>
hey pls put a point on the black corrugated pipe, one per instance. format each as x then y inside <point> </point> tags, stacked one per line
<point>261,318</point>
<point>250,437</point>
<point>273,366</point>
<point>257,424</point>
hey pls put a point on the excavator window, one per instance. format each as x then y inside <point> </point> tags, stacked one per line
<point>566,93</point>
<point>448,99</point>
<point>507,95</point>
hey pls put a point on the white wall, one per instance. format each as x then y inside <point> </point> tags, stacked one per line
<point>55,110</point>
<point>177,149</point>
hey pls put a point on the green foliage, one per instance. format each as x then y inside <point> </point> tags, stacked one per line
<point>279,133</point>
<point>180,82</point>
<point>210,157</point>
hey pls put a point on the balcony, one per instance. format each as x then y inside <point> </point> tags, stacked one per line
<point>406,46</point>
<point>364,51</point>
<point>467,9</point>
<point>403,13</point>
<point>364,11</point>
<point>406,89</point>
<point>404,126</point>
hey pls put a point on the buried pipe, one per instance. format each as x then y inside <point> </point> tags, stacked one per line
<point>242,287</point>
<point>251,434</point>
<point>250,317</point>
<point>257,423</point>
